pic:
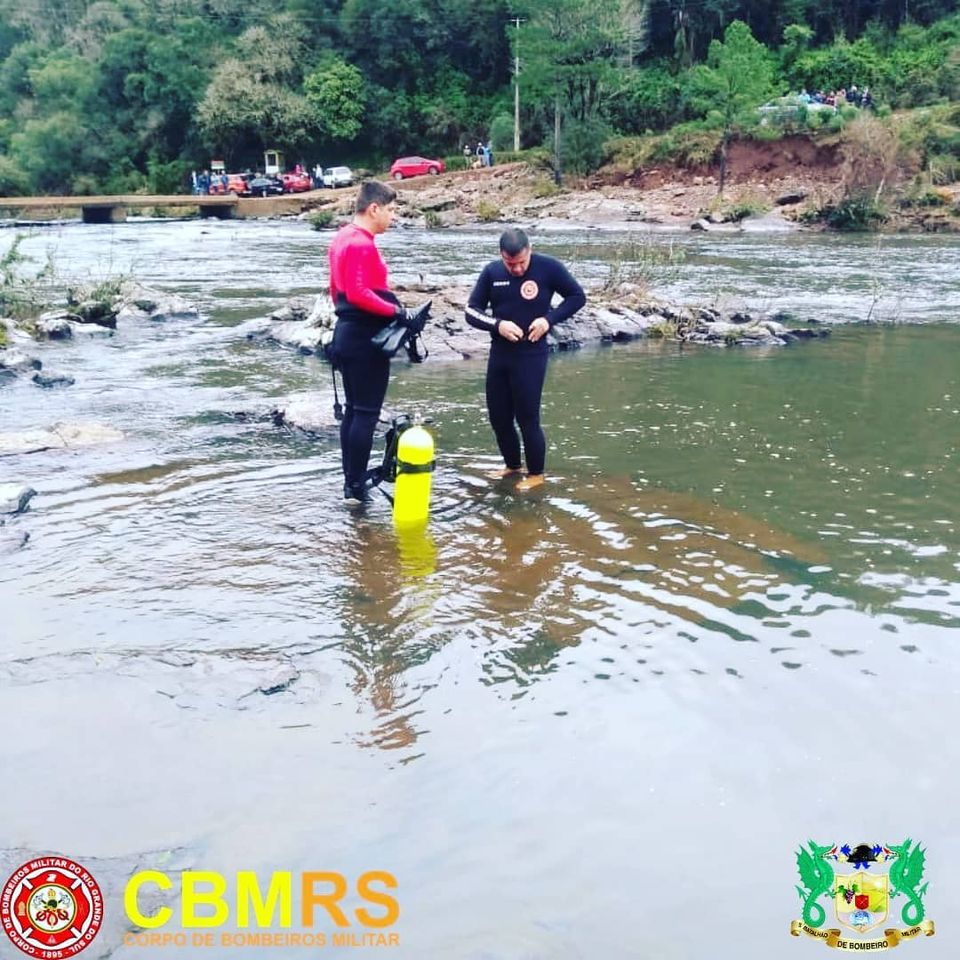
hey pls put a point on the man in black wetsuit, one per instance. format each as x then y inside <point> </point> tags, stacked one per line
<point>519,289</point>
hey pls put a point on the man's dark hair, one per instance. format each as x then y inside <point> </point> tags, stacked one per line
<point>513,242</point>
<point>373,191</point>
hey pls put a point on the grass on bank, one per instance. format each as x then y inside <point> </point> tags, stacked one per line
<point>26,292</point>
<point>889,161</point>
<point>21,293</point>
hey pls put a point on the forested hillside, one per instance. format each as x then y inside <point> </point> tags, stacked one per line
<point>126,95</point>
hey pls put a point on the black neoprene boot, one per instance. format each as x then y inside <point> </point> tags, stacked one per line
<point>355,494</point>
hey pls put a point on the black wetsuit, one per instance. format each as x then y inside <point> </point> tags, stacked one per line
<point>516,371</point>
<point>364,305</point>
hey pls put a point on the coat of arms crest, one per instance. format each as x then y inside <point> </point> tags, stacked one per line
<point>865,896</point>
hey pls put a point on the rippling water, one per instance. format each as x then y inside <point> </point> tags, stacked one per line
<point>568,722</point>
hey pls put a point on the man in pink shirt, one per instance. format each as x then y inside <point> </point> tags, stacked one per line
<point>364,305</point>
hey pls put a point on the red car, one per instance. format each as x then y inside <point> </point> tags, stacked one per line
<point>415,167</point>
<point>296,182</point>
<point>236,183</point>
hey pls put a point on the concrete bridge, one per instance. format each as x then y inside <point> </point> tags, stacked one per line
<point>114,209</point>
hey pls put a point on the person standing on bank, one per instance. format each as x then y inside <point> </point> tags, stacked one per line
<point>519,289</point>
<point>364,305</point>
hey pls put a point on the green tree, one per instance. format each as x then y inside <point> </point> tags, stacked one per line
<point>796,41</point>
<point>149,87</point>
<point>101,20</point>
<point>46,21</point>
<point>837,66</point>
<point>393,119</point>
<point>52,150</point>
<point>240,113</point>
<point>736,79</point>
<point>501,132</point>
<point>254,99</point>
<point>275,51</point>
<point>569,59</point>
<point>336,92</point>
<point>394,44</point>
<point>645,99</point>
<point>582,145</point>
<point>14,181</point>
<point>63,83</point>
<point>15,85</point>
<point>403,44</point>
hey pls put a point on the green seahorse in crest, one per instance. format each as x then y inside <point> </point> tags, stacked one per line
<point>817,878</point>
<point>905,874</point>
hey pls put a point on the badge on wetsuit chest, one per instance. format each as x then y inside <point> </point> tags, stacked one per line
<point>529,290</point>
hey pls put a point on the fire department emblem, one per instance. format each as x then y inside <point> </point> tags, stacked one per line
<point>865,896</point>
<point>529,289</point>
<point>49,905</point>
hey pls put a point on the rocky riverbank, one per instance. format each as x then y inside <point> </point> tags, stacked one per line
<point>771,187</point>
<point>612,315</point>
<point>306,324</point>
<point>518,194</point>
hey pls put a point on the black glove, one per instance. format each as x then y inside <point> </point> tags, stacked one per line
<point>414,320</point>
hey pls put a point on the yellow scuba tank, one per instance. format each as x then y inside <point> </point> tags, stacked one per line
<point>415,462</point>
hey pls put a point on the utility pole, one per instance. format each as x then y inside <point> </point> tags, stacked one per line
<point>516,87</point>
<point>557,162</point>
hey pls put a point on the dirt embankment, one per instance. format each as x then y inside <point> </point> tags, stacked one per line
<point>663,196</point>
<point>783,178</point>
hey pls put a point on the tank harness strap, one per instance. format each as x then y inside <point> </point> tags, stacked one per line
<point>404,467</point>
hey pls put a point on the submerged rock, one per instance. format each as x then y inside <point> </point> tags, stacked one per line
<point>310,412</point>
<point>60,436</point>
<point>111,304</point>
<point>282,679</point>
<point>12,540</point>
<point>14,497</point>
<point>768,223</point>
<point>15,362</point>
<point>56,324</point>
<point>52,380</point>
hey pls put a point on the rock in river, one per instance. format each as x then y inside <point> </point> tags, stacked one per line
<point>14,497</point>
<point>60,436</point>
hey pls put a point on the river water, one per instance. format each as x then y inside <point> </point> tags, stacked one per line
<point>592,722</point>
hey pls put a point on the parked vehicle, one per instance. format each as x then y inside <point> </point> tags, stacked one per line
<point>790,107</point>
<point>237,183</point>
<point>415,167</point>
<point>265,186</point>
<point>296,182</point>
<point>337,177</point>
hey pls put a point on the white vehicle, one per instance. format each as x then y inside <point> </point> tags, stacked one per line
<point>337,177</point>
